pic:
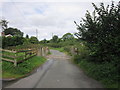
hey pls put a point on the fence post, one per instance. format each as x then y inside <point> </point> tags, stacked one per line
<point>44,51</point>
<point>15,61</point>
<point>25,55</point>
<point>40,51</point>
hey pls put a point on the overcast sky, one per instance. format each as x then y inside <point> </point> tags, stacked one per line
<point>47,17</point>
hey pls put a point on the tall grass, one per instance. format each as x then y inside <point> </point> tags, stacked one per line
<point>106,72</point>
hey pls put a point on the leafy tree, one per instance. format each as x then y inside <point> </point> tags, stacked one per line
<point>13,31</point>
<point>101,32</point>
<point>12,41</point>
<point>67,36</point>
<point>55,39</point>
<point>27,36</point>
<point>33,40</point>
<point>44,41</point>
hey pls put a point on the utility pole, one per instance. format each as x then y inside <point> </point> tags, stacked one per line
<point>36,33</point>
<point>52,35</point>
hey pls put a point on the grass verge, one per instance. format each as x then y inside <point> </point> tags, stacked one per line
<point>105,73</point>
<point>9,71</point>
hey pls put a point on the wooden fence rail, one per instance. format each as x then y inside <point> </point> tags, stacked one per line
<point>20,55</point>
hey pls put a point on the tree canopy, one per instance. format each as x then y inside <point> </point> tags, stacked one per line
<point>101,32</point>
<point>33,40</point>
<point>55,39</point>
<point>27,36</point>
<point>67,36</point>
<point>13,32</point>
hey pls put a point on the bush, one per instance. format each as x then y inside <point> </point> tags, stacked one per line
<point>54,45</point>
<point>12,41</point>
<point>77,59</point>
<point>106,73</point>
<point>101,32</point>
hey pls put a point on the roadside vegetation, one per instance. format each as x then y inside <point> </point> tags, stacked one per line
<point>22,69</point>
<point>13,40</point>
<point>97,45</point>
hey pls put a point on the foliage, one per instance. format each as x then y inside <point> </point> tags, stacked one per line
<point>106,73</point>
<point>54,45</point>
<point>27,36</point>
<point>33,40</point>
<point>101,32</point>
<point>12,41</point>
<point>55,39</point>
<point>26,41</point>
<point>83,53</point>
<point>13,32</point>
<point>101,35</point>
<point>44,41</point>
<point>67,36</point>
<point>9,71</point>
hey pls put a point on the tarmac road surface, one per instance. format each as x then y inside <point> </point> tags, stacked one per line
<point>57,72</point>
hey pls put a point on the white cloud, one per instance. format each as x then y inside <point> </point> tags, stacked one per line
<point>57,0</point>
<point>47,18</point>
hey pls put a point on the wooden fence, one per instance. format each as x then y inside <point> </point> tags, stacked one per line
<point>20,55</point>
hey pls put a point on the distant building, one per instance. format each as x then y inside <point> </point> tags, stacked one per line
<point>3,34</point>
<point>9,35</point>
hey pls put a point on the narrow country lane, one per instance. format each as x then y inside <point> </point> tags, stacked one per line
<point>57,72</point>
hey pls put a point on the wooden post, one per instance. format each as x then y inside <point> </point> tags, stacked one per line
<point>44,51</point>
<point>36,50</point>
<point>15,61</point>
<point>41,51</point>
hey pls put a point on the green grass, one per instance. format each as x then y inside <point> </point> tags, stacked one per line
<point>61,50</point>
<point>106,73</point>
<point>49,53</point>
<point>9,71</point>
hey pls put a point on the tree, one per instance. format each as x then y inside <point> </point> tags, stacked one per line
<point>101,32</point>
<point>13,32</point>
<point>55,39</point>
<point>67,36</point>
<point>27,36</point>
<point>12,41</point>
<point>4,23</point>
<point>33,40</point>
